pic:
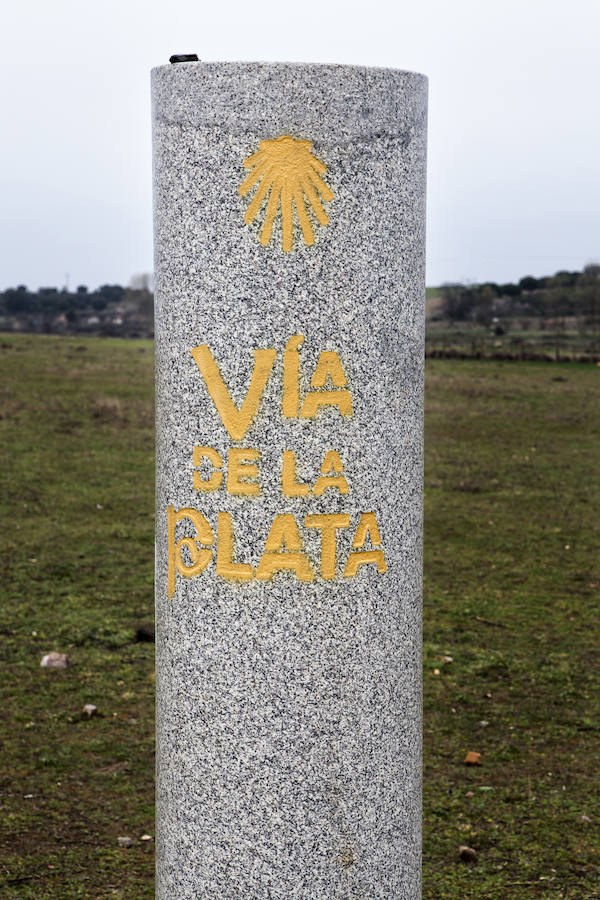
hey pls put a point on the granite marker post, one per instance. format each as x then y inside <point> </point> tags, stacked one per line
<point>289,261</point>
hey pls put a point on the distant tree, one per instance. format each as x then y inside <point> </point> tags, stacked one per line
<point>82,289</point>
<point>457,302</point>
<point>590,274</point>
<point>51,300</point>
<point>19,300</point>
<point>510,290</point>
<point>492,287</point>
<point>71,316</point>
<point>528,283</point>
<point>112,293</point>
<point>562,279</point>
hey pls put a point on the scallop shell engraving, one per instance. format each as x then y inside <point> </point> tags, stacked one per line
<point>287,176</point>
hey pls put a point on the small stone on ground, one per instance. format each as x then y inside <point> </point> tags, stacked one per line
<point>125,841</point>
<point>55,660</point>
<point>467,854</point>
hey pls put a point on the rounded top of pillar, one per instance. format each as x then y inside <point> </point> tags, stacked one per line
<point>331,102</point>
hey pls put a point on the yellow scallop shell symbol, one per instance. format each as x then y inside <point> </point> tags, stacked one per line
<point>289,175</point>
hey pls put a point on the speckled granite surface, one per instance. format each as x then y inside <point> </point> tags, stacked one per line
<point>288,700</point>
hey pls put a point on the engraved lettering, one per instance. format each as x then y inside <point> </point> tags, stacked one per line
<point>236,421</point>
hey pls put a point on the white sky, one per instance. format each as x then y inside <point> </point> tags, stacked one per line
<point>514,122</point>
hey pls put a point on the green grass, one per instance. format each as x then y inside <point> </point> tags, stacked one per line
<point>512,592</point>
<point>77,574</point>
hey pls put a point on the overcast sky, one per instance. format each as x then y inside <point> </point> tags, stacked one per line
<point>514,123</point>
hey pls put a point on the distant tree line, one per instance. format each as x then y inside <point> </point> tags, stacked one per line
<point>555,296</point>
<point>52,301</point>
<point>110,309</point>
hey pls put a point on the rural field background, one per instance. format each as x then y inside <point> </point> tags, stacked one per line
<point>511,637</point>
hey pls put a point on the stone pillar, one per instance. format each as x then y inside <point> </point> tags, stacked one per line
<point>289,256</point>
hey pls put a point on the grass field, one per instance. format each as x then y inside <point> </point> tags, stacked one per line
<point>512,594</point>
